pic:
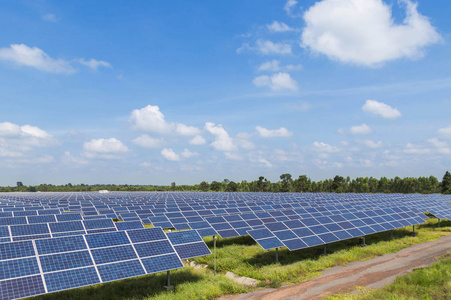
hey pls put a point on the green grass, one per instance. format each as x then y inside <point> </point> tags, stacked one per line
<point>245,258</point>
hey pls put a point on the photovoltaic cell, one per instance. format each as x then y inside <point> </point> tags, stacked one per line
<point>64,261</point>
<point>21,287</point>
<point>66,226</point>
<point>183,237</point>
<point>153,248</point>
<point>63,280</point>
<point>16,250</point>
<point>18,268</point>
<point>192,250</point>
<point>120,270</point>
<point>128,225</point>
<point>162,263</point>
<point>107,239</point>
<point>113,254</point>
<point>270,243</point>
<point>146,235</point>
<point>61,244</point>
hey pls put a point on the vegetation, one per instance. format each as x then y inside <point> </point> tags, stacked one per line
<point>243,257</point>
<point>302,184</point>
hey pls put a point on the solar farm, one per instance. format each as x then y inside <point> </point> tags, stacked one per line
<point>52,242</point>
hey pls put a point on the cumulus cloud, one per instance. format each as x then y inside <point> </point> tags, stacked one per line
<point>364,32</point>
<point>187,154</point>
<point>270,133</point>
<point>16,140</point>
<point>148,141</point>
<point>445,132</point>
<point>34,57</point>
<point>268,47</point>
<point>183,129</point>
<point>197,140</point>
<point>279,27</point>
<point>289,6</point>
<point>150,119</point>
<point>414,149</point>
<point>265,162</point>
<point>371,144</point>
<point>222,142</point>
<point>278,81</point>
<point>94,64</point>
<point>71,160</point>
<point>274,66</point>
<point>242,140</point>
<point>381,109</point>
<point>323,147</point>
<point>440,146</point>
<point>110,148</point>
<point>361,129</point>
<point>169,154</point>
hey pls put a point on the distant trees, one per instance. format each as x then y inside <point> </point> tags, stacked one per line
<point>446,183</point>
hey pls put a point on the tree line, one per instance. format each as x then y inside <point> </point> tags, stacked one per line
<point>286,184</point>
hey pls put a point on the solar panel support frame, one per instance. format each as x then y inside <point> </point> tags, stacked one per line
<point>168,285</point>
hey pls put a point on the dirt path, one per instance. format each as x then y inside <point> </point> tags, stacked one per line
<point>374,273</point>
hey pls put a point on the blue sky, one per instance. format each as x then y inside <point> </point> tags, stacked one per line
<point>153,92</point>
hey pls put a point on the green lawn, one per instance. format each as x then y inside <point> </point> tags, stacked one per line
<point>244,257</point>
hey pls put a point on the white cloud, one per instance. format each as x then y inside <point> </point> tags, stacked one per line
<point>278,81</point>
<point>242,140</point>
<point>169,154</point>
<point>323,147</point>
<point>233,156</point>
<point>274,66</point>
<point>71,160</point>
<point>270,133</point>
<point>9,129</point>
<point>104,148</point>
<point>361,129</point>
<point>340,131</point>
<point>183,129</point>
<point>34,57</point>
<point>187,154</point>
<point>364,32</point>
<point>222,142</point>
<point>289,6</point>
<point>197,140</point>
<point>265,162</point>
<point>34,132</point>
<point>49,18</point>
<point>440,146</point>
<point>150,119</point>
<point>371,144</point>
<point>268,47</point>
<point>381,109</point>
<point>413,149</point>
<point>279,27</point>
<point>445,132</point>
<point>94,64</point>
<point>147,141</point>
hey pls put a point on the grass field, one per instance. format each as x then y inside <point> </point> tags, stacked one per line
<point>244,257</point>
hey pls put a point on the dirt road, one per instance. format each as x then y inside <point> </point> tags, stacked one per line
<point>374,273</point>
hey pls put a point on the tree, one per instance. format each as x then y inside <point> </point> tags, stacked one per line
<point>173,186</point>
<point>232,186</point>
<point>446,183</point>
<point>215,186</point>
<point>19,184</point>
<point>204,186</point>
<point>337,184</point>
<point>302,184</point>
<point>286,182</point>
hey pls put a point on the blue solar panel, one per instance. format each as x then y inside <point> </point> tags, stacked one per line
<point>18,268</point>
<point>41,219</point>
<point>294,244</point>
<point>145,235</point>
<point>4,232</point>
<point>227,233</point>
<point>21,287</point>
<point>162,263</point>
<point>260,234</point>
<point>61,244</point>
<point>113,254</point>
<point>64,261</point>
<point>13,221</point>
<point>16,250</point>
<point>120,270</point>
<point>66,226</point>
<point>69,217</point>
<point>192,250</point>
<point>270,243</point>
<point>285,235</point>
<point>107,239</point>
<point>312,241</point>
<point>207,232</point>
<point>183,237</point>
<point>29,229</point>
<point>98,224</point>
<point>154,248</point>
<point>71,279</point>
<point>129,225</point>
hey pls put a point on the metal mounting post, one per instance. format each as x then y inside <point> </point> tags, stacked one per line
<point>168,285</point>
<point>277,255</point>
<point>413,231</point>
<point>362,241</point>
<point>214,253</point>
<point>391,234</point>
<point>325,250</point>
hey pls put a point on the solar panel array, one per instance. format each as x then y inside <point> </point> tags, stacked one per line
<point>29,268</point>
<point>56,241</point>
